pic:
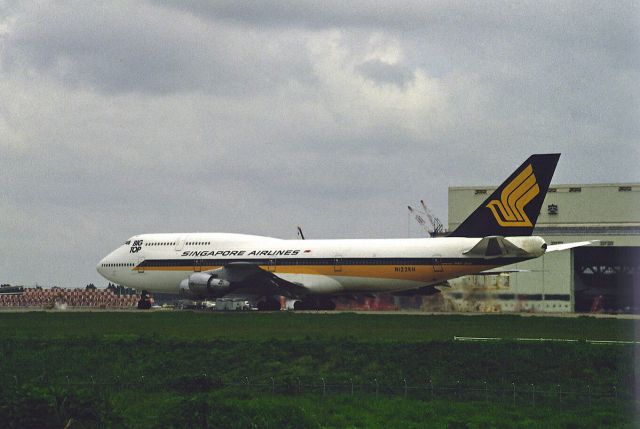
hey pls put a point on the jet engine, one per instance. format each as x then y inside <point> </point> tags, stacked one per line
<point>204,285</point>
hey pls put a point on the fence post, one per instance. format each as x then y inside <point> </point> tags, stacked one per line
<point>589,393</point>
<point>431,387</point>
<point>15,377</point>
<point>514,393</point>
<point>486,392</point>
<point>324,386</point>
<point>533,395</point>
<point>273,385</point>
<point>559,394</point>
<point>351,379</point>
<point>375,380</point>
<point>247,380</point>
<point>298,385</point>
<point>615,393</point>
<point>404,380</point>
<point>458,390</point>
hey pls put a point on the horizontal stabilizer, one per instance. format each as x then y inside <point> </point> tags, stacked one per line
<point>566,246</point>
<point>495,247</point>
<point>498,272</point>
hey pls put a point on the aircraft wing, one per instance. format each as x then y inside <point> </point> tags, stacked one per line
<point>566,246</point>
<point>247,276</point>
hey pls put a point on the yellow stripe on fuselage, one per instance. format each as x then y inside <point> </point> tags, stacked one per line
<point>396,272</point>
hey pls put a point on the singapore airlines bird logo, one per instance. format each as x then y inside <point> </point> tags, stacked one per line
<point>509,211</point>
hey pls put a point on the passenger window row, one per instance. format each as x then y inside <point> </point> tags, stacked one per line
<point>189,243</point>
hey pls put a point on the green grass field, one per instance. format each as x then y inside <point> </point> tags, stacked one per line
<point>294,326</point>
<point>184,369</point>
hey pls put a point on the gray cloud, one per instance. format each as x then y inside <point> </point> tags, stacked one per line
<point>385,73</point>
<point>133,47</point>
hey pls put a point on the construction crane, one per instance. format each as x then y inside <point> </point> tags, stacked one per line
<point>434,228</point>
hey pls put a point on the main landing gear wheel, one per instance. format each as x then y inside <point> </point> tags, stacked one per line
<point>144,303</point>
<point>328,305</point>
<point>269,304</point>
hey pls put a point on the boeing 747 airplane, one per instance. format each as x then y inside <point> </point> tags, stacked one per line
<point>213,265</point>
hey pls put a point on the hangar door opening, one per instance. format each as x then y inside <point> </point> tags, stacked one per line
<point>607,279</point>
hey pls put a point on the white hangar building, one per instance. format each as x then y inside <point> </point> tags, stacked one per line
<point>604,277</point>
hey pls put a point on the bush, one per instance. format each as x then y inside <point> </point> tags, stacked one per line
<point>218,411</point>
<point>30,407</point>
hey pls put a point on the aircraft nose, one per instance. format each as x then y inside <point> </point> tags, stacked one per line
<point>103,265</point>
<point>100,267</point>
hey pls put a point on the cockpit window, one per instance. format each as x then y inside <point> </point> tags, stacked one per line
<point>127,242</point>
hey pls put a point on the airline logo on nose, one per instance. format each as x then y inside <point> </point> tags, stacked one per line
<point>136,246</point>
<point>509,210</point>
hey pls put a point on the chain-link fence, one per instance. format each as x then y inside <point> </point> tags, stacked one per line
<point>464,390</point>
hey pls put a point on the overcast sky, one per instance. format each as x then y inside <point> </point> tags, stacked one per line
<point>126,117</point>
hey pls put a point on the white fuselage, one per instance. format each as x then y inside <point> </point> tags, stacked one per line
<point>159,262</point>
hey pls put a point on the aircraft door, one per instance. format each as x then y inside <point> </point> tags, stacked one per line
<point>437,264</point>
<point>197,265</point>
<point>337,264</point>
<point>140,265</point>
<point>271,265</point>
<point>180,242</point>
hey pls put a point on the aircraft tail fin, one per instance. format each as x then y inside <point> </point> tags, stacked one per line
<point>513,209</point>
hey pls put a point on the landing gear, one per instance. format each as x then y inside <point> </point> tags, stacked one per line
<point>328,304</point>
<point>315,304</point>
<point>269,304</point>
<point>145,301</point>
